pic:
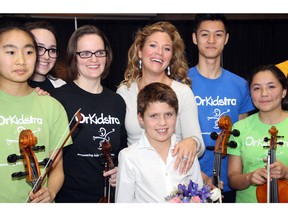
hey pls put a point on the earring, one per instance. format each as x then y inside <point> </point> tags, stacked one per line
<point>168,71</point>
<point>140,64</point>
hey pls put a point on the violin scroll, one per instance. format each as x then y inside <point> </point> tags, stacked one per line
<point>106,148</point>
<point>27,145</point>
<point>27,142</point>
<point>108,191</point>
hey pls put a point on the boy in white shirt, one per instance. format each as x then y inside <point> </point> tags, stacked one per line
<point>146,170</point>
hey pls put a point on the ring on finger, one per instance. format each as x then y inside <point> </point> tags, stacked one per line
<point>185,158</point>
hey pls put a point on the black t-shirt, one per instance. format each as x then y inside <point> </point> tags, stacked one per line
<point>45,85</point>
<point>103,120</point>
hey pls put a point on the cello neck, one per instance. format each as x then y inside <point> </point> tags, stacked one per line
<point>217,169</point>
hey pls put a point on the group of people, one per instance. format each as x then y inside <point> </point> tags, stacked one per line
<point>158,122</point>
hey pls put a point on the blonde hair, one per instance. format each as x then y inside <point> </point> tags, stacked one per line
<point>178,64</point>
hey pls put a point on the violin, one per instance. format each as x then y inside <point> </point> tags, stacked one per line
<point>220,148</point>
<point>27,142</point>
<point>273,191</point>
<point>108,191</point>
<point>27,145</point>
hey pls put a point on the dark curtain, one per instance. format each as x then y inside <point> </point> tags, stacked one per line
<point>251,42</point>
<point>255,42</point>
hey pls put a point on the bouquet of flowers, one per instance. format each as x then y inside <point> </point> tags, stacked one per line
<point>192,194</point>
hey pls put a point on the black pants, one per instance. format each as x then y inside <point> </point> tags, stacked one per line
<point>229,196</point>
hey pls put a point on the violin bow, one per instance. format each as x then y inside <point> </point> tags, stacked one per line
<point>268,177</point>
<point>56,152</point>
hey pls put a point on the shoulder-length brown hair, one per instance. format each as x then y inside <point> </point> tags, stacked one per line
<point>71,56</point>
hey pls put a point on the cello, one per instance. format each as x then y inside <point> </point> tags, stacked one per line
<point>108,191</point>
<point>274,191</point>
<point>220,148</point>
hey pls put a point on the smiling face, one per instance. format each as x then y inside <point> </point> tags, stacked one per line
<point>156,53</point>
<point>90,68</point>
<point>45,39</point>
<point>267,92</point>
<point>159,122</point>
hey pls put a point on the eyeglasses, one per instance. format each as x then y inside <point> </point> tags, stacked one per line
<point>52,53</point>
<point>88,54</point>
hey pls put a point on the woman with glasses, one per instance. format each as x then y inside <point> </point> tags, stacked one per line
<point>45,75</point>
<point>89,57</point>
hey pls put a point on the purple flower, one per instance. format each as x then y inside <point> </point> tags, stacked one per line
<point>186,200</point>
<point>185,193</point>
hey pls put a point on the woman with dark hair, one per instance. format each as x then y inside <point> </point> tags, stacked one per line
<point>247,163</point>
<point>45,75</point>
<point>89,57</point>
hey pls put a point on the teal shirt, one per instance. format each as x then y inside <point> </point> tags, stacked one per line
<point>47,120</point>
<point>250,148</point>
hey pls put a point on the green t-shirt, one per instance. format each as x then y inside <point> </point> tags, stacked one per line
<point>250,148</point>
<point>47,120</point>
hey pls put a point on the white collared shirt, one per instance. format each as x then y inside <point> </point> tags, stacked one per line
<point>143,177</point>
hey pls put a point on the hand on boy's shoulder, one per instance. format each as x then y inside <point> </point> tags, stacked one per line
<point>41,92</point>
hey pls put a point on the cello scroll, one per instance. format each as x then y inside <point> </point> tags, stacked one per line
<point>220,148</point>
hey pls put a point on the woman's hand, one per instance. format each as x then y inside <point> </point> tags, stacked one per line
<point>278,170</point>
<point>186,151</point>
<point>258,177</point>
<point>112,174</point>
